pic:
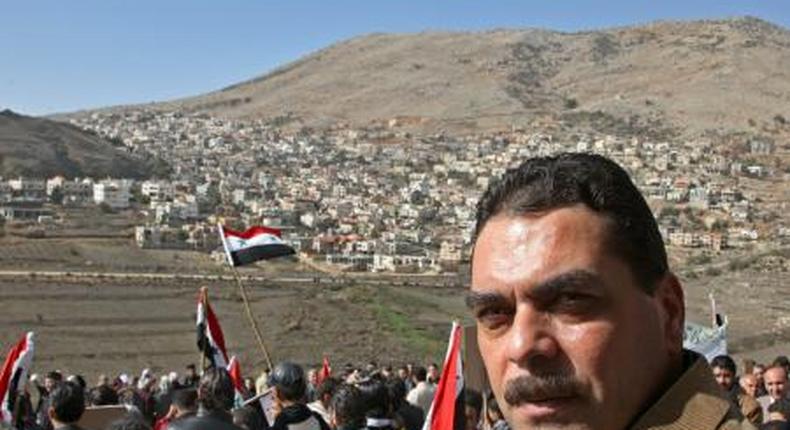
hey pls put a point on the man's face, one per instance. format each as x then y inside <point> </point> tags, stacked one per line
<point>568,338</point>
<point>49,384</point>
<point>775,382</point>
<point>749,384</point>
<point>724,377</point>
<point>433,373</point>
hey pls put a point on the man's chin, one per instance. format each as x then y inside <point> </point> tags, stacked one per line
<point>562,413</point>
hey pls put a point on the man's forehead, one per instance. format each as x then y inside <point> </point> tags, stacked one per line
<point>511,245</point>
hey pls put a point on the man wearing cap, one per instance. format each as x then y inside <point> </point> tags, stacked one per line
<point>579,318</point>
<point>289,385</point>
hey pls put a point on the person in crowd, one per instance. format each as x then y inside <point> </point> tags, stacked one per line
<point>776,387</point>
<point>102,395</point>
<point>183,406</point>
<point>248,418</point>
<point>290,387</point>
<point>579,319</point>
<point>191,378</point>
<point>775,425</point>
<point>52,380</point>
<point>758,371</point>
<point>378,405</point>
<point>324,392</point>
<point>723,368</point>
<point>494,417</point>
<point>473,407</point>
<point>778,412</point>
<point>405,415</point>
<point>422,393</point>
<point>312,384</point>
<point>433,373</point>
<point>748,383</point>
<point>66,406</point>
<point>215,396</point>
<point>249,386</point>
<point>405,375</point>
<point>347,409</point>
<point>103,380</point>
<point>129,422</point>
<point>782,361</point>
<point>262,382</point>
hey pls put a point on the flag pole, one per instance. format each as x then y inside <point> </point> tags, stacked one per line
<point>204,300</point>
<point>254,324</point>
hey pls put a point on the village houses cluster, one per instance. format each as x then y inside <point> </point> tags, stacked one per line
<point>380,199</point>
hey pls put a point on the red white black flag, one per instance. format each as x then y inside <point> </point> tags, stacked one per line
<point>234,370</point>
<point>255,243</point>
<point>14,375</point>
<point>209,334</point>
<point>447,409</point>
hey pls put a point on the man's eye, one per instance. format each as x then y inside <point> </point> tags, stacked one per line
<point>492,318</point>
<point>574,302</point>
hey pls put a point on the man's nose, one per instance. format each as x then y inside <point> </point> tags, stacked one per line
<point>531,338</point>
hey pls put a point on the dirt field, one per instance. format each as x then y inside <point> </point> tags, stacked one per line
<point>93,326</point>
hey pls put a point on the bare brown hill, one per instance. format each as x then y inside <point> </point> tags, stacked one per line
<point>725,75</point>
<point>36,147</point>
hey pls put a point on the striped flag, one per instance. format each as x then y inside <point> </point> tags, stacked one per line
<point>14,375</point>
<point>209,334</point>
<point>325,372</point>
<point>447,409</point>
<point>255,243</point>
<point>234,370</point>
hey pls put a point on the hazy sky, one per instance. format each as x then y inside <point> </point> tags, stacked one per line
<point>64,55</point>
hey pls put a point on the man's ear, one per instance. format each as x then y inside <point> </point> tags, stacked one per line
<point>51,414</point>
<point>669,297</point>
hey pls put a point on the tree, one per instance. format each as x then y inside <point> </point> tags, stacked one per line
<point>57,196</point>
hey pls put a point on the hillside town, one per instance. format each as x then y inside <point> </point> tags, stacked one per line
<point>380,199</point>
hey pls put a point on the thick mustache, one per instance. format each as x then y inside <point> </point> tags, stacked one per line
<point>530,389</point>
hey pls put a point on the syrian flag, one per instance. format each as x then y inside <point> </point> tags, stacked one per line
<point>255,243</point>
<point>447,409</point>
<point>14,375</point>
<point>234,370</point>
<point>209,334</point>
<point>325,372</point>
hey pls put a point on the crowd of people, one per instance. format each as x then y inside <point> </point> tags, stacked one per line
<point>367,397</point>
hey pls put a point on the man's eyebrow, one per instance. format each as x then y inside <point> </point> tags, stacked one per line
<point>576,280</point>
<point>476,299</point>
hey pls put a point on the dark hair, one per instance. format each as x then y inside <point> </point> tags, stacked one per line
<point>376,399</point>
<point>545,183</point>
<point>103,395</point>
<point>724,362</point>
<point>129,422</point>
<point>216,391</point>
<point>473,399</point>
<point>327,387</point>
<point>781,360</point>
<point>248,418</point>
<point>185,399</point>
<point>68,402</point>
<point>289,379</point>
<point>492,405</point>
<point>419,373</point>
<point>397,389</point>
<point>348,407</point>
<point>55,376</point>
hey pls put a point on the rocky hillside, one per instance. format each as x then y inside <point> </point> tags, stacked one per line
<point>682,77</point>
<point>36,147</point>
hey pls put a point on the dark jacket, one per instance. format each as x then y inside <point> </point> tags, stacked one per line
<point>299,414</point>
<point>205,420</point>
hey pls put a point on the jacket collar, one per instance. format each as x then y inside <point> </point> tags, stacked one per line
<point>694,401</point>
